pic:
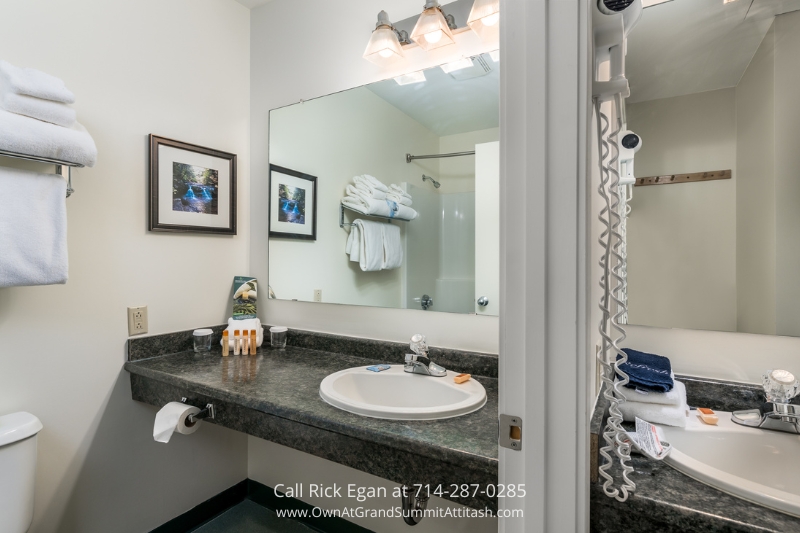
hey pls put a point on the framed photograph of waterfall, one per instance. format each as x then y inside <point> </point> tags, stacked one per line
<point>292,204</point>
<point>192,188</point>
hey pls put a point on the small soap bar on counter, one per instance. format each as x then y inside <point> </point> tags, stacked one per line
<point>708,416</point>
<point>378,368</point>
<point>461,378</point>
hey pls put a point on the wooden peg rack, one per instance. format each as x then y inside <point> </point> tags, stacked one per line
<point>684,178</point>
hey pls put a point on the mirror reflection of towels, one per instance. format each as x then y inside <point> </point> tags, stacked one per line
<point>392,247</point>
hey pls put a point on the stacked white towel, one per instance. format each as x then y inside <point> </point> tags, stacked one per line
<point>397,194</point>
<point>35,118</point>
<point>368,196</point>
<point>33,228</point>
<point>667,408</point>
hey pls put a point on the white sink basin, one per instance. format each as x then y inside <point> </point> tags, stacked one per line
<point>397,395</point>
<point>754,464</point>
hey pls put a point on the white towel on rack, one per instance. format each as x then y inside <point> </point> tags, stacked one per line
<point>353,247</point>
<point>371,183</point>
<point>392,247</point>
<point>29,136</point>
<point>402,200</point>
<point>379,208</point>
<point>363,192</point>
<point>46,110</point>
<point>398,190</point>
<point>33,228</point>
<point>35,83</point>
<point>370,245</point>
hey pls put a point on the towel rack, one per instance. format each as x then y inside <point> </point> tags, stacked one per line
<point>342,223</point>
<point>57,162</point>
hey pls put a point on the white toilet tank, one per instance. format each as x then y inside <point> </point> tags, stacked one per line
<point>17,470</point>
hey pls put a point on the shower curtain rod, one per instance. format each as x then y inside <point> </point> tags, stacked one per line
<point>410,158</point>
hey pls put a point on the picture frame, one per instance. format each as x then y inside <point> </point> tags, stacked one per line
<point>292,204</point>
<point>192,189</point>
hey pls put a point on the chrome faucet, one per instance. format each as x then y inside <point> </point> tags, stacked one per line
<point>780,386</point>
<point>413,363</point>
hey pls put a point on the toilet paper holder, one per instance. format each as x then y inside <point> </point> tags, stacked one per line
<point>207,412</point>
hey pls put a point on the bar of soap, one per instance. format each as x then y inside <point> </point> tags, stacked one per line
<point>708,416</point>
<point>462,378</point>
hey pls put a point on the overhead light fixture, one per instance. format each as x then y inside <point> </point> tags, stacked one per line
<point>650,3</point>
<point>495,55</point>
<point>727,1</point>
<point>384,43</point>
<point>412,77</point>
<point>484,19</point>
<point>433,29</point>
<point>457,65</point>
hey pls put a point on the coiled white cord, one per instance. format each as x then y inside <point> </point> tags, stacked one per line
<point>612,356</point>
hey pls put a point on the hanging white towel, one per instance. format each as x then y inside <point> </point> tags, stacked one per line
<point>379,208</point>
<point>46,110</point>
<point>392,247</point>
<point>29,136</point>
<point>35,83</point>
<point>353,247</point>
<point>370,245</point>
<point>33,228</point>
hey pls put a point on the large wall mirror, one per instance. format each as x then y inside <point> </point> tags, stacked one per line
<point>405,199</point>
<point>714,89</point>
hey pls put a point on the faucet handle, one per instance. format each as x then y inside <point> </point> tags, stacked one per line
<point>419,345</point>
<point>780,386</point>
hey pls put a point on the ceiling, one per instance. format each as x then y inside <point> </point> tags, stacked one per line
<point>446,105</point>
<point>250,4</point>
<point>691,46</point>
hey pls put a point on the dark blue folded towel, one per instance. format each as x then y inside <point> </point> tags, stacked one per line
<point>647,371</point>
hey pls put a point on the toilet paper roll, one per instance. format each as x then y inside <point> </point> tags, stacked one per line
<point>173,417</point>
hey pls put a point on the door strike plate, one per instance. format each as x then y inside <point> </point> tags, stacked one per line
<point>510,432</point>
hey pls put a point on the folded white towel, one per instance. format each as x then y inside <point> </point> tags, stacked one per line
<point>403,200</point>
<point>35,83</point>
<point>379,208</point>
<point>46,110</point>
<point>668,415</point>
<point>244,325</point>
<point>370,246</point>
<point>33,228</point>
<point>392,247</point>
<point>371,183</point>
<point>364,192</point>
<point>674,397</point>
<point>29,136</point>
<point>396,189</point>
<point>353,247</point>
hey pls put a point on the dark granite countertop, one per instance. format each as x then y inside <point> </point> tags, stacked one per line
<point>666,500</point>
<point>285,383</point>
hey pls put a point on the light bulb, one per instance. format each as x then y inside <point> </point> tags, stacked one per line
<point>491,20</point>
<point>386,53</point>
<point>434,36</point>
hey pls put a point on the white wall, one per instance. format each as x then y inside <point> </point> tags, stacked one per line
<point>178,69</point>
<point>283,73</point>
<point>457,174</point>
<point>755,192</point>
<point>682,238</point>
<point>335,138</point>
<point>787,173</point>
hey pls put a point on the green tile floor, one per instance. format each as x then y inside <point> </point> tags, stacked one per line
<point>249,517</point>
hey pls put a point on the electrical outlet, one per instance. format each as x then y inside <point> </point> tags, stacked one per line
<point>137,320</point>
<point>317,295</point>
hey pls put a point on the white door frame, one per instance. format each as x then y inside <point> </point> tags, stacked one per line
<point>544,106</point>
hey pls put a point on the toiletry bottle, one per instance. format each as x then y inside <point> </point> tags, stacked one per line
<point>253,343</point>
<point>237,341</point>
<point>225,341</point>
<point>245,342</point>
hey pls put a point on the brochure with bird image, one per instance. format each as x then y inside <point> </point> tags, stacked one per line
<point>245,295</point>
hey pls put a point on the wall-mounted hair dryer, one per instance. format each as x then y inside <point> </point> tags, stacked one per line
<point>612,20</point>
<point>630,143</point>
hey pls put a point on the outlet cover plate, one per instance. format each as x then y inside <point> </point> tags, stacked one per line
<point>137,320</point>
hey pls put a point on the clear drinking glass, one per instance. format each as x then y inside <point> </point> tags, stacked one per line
<point>277,336</point>
<point>202,340</point>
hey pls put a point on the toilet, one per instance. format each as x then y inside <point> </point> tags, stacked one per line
<point>17,470</point>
